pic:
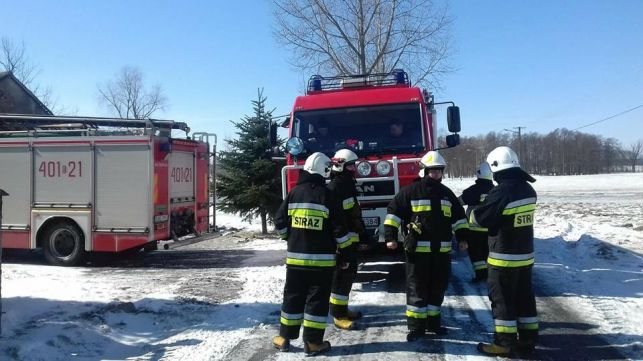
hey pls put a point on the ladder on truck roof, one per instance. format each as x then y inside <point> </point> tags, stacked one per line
<point>30,122</point>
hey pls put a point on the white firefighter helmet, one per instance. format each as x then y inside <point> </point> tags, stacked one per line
<point>484,171</point>
<point>502,158</point>
<point>343,157</point>
<point>432,160</point>
<point>318,163</point>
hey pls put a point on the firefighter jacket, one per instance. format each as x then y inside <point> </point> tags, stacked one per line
<point>474,196</point>
<point>310,219</point>
<point>343,187</point>
<point>508,213</point>
<point>435,207</point>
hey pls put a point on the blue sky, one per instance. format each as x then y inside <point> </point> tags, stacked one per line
<point>538,64</point>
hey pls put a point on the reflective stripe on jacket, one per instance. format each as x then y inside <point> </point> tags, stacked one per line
<point>310,219</point>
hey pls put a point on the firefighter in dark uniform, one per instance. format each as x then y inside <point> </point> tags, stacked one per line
<point>477,236</point>
<point>432,213</point>
<point>310,219</point>
<point>508,213</point>
<point>342,185</point>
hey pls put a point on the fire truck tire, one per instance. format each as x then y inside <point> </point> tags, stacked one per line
<point>64,244</point>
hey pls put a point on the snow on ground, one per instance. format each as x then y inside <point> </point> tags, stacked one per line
<point>92,313</point>
<point>223,302</point>
<point>234,221</point>
<point>590,249</point>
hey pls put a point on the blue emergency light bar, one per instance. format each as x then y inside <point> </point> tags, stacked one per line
<point>318,83</point>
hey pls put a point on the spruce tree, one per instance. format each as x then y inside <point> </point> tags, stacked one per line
<point>249,183</point>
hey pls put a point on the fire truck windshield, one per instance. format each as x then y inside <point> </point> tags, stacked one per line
<point>367,130</point>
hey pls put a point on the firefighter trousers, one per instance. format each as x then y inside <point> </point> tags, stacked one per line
<point>427,278</point>
<point>513,305</point>
<point>478,252</point>
<point>342,284</point>
<point>306,295</point>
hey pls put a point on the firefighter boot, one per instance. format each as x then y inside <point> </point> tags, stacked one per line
<point>314,349</point>
<point>344,323</point>
<point>414,335</point>
<point>526,347</point>
<point>491,349</point>
<point>281,343</point>
<point>353,315</point>
<point>433,325</point>
<point>439,330</point>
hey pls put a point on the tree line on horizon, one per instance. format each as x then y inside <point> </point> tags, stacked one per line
<point>559,152</point>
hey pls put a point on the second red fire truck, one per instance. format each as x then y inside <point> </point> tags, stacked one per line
<point>79,184</point>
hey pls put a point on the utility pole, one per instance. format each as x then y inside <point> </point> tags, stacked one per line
<point>519,140</point>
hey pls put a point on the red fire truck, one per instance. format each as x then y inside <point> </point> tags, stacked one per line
<point>79,184</point>
<point>386,121</point>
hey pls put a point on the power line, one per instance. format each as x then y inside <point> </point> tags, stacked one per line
<point>608,118</point>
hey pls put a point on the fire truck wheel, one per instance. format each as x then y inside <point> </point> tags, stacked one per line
<point>64,244</point>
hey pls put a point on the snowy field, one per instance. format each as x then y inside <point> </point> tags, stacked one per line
<point>220,299</point>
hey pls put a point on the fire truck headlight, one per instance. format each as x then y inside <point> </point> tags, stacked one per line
<point>364,169</point>
<point>383,167</point>
<point>295,146</point>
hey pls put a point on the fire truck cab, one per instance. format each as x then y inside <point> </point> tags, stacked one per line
<point>79,184</point>
<point>387,122</point>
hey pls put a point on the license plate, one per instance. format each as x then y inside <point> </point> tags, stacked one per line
<point>371,221</point>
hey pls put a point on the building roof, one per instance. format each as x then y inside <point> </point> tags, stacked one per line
<point>8,74</point>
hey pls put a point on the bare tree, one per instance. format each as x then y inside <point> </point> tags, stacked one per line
<point>634,153</point>
<point>351,37</point>
<point>559,152</point>
<point>128,97</point>
<point>14,59</point>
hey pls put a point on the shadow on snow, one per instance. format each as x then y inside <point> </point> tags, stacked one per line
<point>170,259</point>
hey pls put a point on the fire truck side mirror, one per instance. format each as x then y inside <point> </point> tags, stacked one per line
<point>453,140</point>
<point>272,134</point>
<point>453,119</point>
